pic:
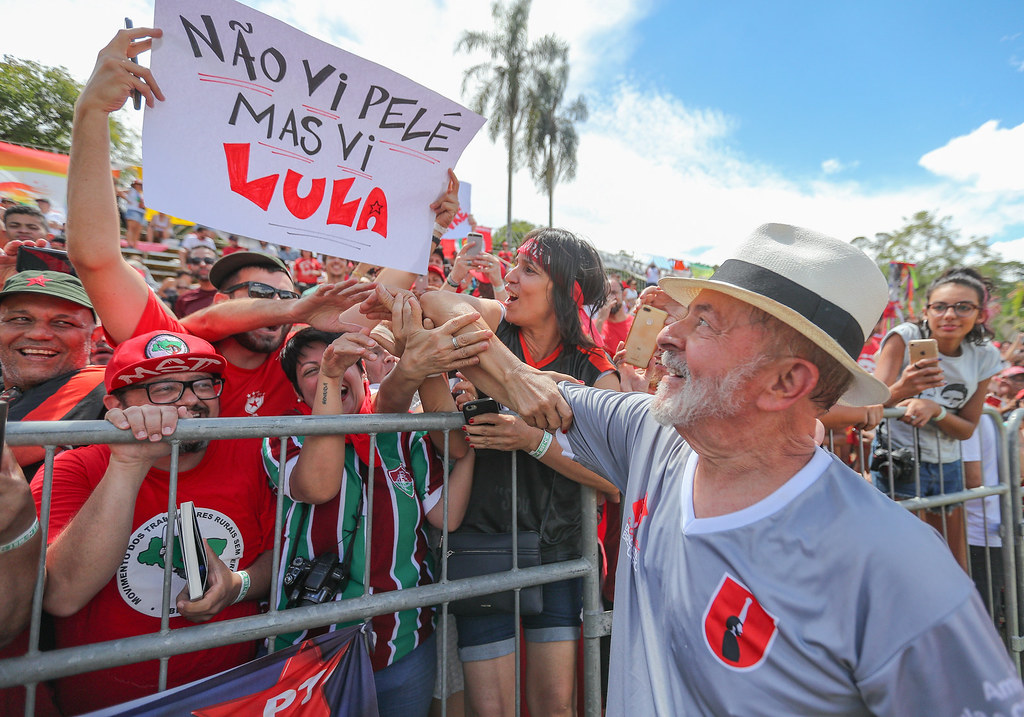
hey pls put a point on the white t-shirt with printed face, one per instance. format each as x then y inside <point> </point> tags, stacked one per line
<point>824,598</point>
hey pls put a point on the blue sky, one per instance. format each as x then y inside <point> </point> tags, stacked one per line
<point>708,119</point>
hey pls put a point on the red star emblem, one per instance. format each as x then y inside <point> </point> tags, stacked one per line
<point>298,691</point>
<point>38,281</point>
<point>376,207</point>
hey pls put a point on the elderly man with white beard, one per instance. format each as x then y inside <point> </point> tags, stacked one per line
<point>759,575</point>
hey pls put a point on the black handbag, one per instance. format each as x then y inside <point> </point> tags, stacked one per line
<point>473,554</point>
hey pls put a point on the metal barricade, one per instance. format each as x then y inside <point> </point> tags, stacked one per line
<point>1008,491</point>
<point>38,666</point>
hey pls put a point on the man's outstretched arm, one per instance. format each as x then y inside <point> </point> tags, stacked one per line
<point>117,291</point>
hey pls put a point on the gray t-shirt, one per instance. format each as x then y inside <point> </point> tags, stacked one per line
<point>825,598</point>
<point>962,375</point>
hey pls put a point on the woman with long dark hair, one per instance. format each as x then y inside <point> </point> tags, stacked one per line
<point>543,323</point>
<point>944,397</point>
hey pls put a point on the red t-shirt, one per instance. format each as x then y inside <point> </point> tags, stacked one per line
<point>236,515</point>
<point>261,391</point>
<point>614,332</point>
<point>307,270</point>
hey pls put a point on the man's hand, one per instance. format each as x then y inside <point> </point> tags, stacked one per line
<point>534,395</point>
<point>322,309</point>
<point>115,76</point>
<point>9,256</point>
<point>222,587</point>
<point>502,432</point>
<point>447,205</point>
<point>149,424</point>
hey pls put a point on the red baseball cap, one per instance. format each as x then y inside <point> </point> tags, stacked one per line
<point>435,269</point>
<point>143,357</point>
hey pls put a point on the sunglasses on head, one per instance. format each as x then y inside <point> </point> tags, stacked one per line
<point>259,290</point>
<point>201,260</point>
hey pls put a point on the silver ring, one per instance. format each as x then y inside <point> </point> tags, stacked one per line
<point>911,416</point>
<point>455,342</point>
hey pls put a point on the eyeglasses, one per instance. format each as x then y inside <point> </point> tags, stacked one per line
<point>961,308</point>
<point>162,392</point>
<point>259,290</point>
<point>201,260</point>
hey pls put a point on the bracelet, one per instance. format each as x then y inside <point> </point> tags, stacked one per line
<point>245,586</point>
<point>542,448</point>
<point>439,230</point>
<point>21,539</point>
<point>498,288</point>
<point>942,414</point>
<point>453,284</point>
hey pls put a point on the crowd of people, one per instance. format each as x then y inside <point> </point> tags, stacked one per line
<point>757,573</point>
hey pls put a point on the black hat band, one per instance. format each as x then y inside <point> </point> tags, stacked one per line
<point>830,318</point>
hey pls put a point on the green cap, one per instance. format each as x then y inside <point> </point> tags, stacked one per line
<point>48,283</point>
<point>228,265</point>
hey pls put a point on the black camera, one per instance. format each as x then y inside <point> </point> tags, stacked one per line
<point>314,582</point>
<point>901,461</point>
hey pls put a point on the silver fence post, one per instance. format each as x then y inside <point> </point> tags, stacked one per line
<point>593,613</point>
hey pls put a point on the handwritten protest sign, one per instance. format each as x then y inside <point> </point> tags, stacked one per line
<point>270,133</point>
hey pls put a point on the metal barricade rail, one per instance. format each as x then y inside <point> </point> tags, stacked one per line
<point>38,666</point>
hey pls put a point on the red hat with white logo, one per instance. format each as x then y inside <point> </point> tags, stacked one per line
<point>148,356</point>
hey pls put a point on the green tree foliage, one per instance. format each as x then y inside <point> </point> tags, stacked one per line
<point>37,104</point>
<point>501,83</point>
<point>934,245</point>
<point>551,138</point>
<point>514,237</point>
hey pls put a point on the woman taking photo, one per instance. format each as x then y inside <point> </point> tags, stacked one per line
<point>943,396</point>
<point>554,276</point>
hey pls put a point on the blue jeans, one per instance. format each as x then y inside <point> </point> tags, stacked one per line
<point>405,688</point>
<point>486,637</point>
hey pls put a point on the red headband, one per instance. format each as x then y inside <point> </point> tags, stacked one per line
<point>531,249</point>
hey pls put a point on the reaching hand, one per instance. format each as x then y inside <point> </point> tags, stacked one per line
<point>322,308</point>
<point>115,76</point>
<point>345,351</point>
<point>501,432</point>
<point>447,205</point>
<point>426,350</point>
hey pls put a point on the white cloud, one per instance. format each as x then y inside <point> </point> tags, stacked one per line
<point>987,159</point>
<point>834,166</point>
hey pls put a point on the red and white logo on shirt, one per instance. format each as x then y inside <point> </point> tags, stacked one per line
<point>737,629</point>
<point>630,530</point>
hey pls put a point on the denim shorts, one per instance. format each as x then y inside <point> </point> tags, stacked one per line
<point>485,637</point>
<point>951,481</point>
<point>134,215</point>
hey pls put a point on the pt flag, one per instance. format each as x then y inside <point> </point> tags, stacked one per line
<point>326,676</point>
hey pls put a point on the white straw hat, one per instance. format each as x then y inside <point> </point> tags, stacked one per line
<point>826,289</point>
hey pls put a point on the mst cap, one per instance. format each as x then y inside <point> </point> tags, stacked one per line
<point>158,352</point>
<point>826,289</point>
<point>228,265</point>
<point>49,283</point>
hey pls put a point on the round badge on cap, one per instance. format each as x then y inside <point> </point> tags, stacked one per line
<point>165,345</point>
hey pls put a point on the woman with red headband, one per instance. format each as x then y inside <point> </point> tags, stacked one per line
<point>555,275</point>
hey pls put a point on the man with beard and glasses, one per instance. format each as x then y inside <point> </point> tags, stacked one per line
<point>758,574</point>
<point>105,561</point>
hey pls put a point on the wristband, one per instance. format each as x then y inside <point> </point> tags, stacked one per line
<point>453,284</point>
<point>942,414</point>
<point>439,230</point>
<point>245,586</point>
<point>498,288</point>
<point>542,448</point>
<point>21,539</point>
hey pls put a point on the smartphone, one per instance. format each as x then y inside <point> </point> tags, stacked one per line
<point>33,258</point>
<point>921,349</point>
<point>480,407</point>
<point>643,335</point>
<point>478,243</point>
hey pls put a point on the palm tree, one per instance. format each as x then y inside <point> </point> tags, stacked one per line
<point>502,82</point>
<point>551,138</point>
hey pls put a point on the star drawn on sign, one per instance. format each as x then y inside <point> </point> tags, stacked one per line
<point>38,281</point>
<point>376,208</point>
